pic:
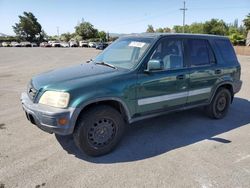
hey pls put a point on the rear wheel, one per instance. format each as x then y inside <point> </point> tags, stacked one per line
<point>99,130</point>
<point>219,106</point>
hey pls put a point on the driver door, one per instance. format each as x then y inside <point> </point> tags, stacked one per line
<point>167,88</point>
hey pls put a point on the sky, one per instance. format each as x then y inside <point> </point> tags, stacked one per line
<point>118,16</point>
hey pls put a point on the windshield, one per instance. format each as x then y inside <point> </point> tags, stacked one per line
<point>125,52</point>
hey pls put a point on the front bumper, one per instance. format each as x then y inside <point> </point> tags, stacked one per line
<point>46,117</point>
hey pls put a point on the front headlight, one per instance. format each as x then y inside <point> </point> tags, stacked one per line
<point>56,99</point>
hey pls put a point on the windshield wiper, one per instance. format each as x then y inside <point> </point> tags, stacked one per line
<point>105,64</point>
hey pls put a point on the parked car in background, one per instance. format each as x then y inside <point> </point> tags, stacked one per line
<point>56,44</point>
<point>101,46</point>
<point>15,44</point>
<point>6,44</point>
<point>73,43</point>
<point>64,44</point>
<point>83,43</point>
<point>33,44</point>
<point>45,44</point>
<point>50,42</point>
<point>25,44</point>
<point>92,45</point>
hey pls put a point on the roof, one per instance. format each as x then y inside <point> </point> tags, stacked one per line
<point>157,35</point>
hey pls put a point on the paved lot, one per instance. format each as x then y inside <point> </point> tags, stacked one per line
<point>184,149</point>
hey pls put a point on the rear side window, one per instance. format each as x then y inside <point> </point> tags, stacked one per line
<point>226,50</point>
<point>199,52</point>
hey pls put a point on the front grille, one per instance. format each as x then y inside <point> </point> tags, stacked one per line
<point>31,92</point>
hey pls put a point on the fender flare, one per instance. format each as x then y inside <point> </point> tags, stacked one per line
<point>218,86</point>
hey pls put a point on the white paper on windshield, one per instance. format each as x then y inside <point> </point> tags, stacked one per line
<point>137,44</point>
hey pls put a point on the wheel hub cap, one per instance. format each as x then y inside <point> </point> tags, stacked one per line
<point>102,132</point>
<point>221,104</point>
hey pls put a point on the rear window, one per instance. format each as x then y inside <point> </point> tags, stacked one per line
<point>226,50</point>
<point>200,52</point>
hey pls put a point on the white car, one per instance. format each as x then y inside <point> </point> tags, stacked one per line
<point>64,44</point>
<point>83,43</point>
<point>56,44</point>
<point>15,44</point>
<point>25,44</point>
<point>34,44</point>
<point>73,43</point>
<point>92,44</point>
<point>6,44</point>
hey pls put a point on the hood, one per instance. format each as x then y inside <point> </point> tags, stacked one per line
<point>84,71</point>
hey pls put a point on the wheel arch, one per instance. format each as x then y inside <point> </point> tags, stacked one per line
<point>228,85</point>
<point>116,103</point>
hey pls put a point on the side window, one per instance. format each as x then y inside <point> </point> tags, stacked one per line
<point>199,52</point>
<point>170,54</point>
<point>226,50</point>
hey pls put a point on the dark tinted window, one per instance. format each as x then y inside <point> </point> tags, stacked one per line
<point>199,52</point>
<point>169,52</point>
<point>226,50</point>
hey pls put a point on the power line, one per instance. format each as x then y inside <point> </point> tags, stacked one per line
<point>184,9</point>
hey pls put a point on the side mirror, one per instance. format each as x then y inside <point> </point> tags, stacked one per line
<point>154,64</point>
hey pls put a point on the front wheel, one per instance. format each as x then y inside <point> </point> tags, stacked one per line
<point>219,106</point>
<point>99,130</point>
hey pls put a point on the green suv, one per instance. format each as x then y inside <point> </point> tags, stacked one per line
<point>137,77</point>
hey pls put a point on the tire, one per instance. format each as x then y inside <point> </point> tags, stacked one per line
<point>220,104</point>
<point>99,130</point>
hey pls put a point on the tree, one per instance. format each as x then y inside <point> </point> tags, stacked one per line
<point>66,37</point>
<point>102,36</point>
<point>86,30</point>
<point>215,27</point>
<point>177,29</point>
<point>163,30</point>
<point>29,28</point>
<point>196,28</point>
<point>150,29</point>
<point>166,30</point>
<point>159,30</point>
<point>247,22</point>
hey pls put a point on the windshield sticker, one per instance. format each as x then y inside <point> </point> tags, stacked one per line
<point>136,44</point>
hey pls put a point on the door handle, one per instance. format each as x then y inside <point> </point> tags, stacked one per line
<point>218,71</point>
<point>180,77</point>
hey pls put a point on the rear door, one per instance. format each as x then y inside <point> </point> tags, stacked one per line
<point>203,70</point>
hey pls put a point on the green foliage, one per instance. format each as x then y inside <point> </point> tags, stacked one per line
<point>29,28</point>
<point>247,22</point>
<point>77,38</point>
<point>196,28</point>
<point>9,39</point>
<point>163,30</point>
<point>52,38</point>
<point>66,37</point>
<point>150,29</point>
<point>215,27</point>
<point>86,30</point>
<point>102,36</point>
<point>237,38</point>
<point>159,30</point>
<point>177,29</point>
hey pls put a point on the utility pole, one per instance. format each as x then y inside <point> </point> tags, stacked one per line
<point>184,9</point>
<point>57,28</point>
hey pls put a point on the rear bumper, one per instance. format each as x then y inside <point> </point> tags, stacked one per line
<point>237,86</point>
<point>46,117</point>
